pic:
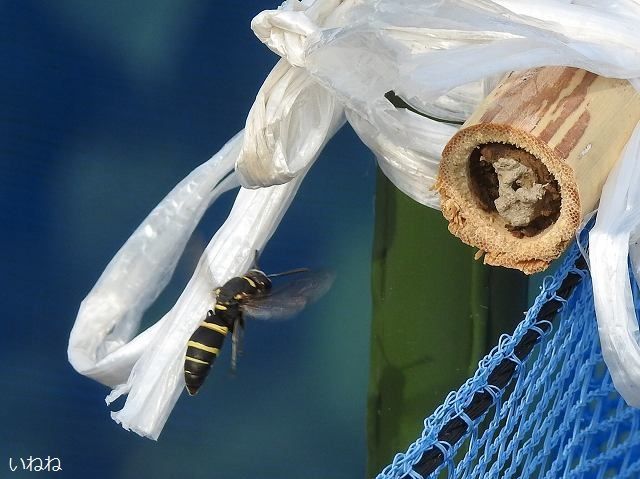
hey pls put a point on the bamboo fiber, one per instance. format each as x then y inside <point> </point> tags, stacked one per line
<point>529,164</point>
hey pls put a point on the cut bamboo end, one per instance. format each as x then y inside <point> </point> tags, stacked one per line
<point>519,177</point>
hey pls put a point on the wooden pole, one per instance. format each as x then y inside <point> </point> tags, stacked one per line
<point>436,312</point>
<point>517,180</point>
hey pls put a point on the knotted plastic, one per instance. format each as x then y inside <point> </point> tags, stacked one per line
<point>340,59</point>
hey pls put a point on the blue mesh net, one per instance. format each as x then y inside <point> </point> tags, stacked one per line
<point>541,404</point>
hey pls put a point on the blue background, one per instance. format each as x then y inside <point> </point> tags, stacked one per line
<point>105,107</point>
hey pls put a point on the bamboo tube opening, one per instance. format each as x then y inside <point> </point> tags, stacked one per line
<point>513,186</point>
<point>529,164</point>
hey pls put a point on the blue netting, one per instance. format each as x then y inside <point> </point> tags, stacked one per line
<point>554,412</point>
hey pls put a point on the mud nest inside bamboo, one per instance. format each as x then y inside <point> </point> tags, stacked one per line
<point>528,165</point>
<point>511,183</point>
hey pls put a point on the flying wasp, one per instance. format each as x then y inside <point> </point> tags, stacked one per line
<point>250,296</point>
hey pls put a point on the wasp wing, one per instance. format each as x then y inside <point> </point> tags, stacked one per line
<point>236,344</point>
<point>290,298</point>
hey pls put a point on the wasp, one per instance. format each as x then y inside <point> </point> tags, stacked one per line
<point>249,296</point>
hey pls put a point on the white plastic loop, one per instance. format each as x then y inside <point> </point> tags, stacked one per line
<point>293,116</point>
<point>617,222</point>
<point>99,344</point>
<point>289,122</point>
<point>442,57</point>
<point>157,379</point>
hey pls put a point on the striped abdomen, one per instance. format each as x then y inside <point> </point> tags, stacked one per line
<point>202,350</point>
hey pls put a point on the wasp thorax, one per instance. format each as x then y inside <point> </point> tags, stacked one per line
<point>248,294</point>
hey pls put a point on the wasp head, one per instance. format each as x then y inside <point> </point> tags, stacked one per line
<point>263,283</point>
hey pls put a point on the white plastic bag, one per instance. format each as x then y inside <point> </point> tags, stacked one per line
<point>442,57</point>
<point>293,116</point>
<point>425,50</point>
<point>288,124</point>
<point>157,379</point>
<point>109,317</point>
<point>613,237</point>
<point>388,44</point>
<point>149,367</point>
<point>415,164</point>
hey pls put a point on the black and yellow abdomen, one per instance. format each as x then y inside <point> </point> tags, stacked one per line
<point>250,295</point>
<point>205,344</point>
<point>203,349</point>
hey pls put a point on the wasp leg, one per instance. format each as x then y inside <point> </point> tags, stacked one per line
<point>236,344</point>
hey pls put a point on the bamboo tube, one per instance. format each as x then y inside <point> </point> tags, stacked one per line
<point>529,164</point>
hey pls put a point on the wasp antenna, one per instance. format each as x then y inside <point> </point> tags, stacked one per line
<point>291,271</point>
<point>256,254</point>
